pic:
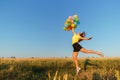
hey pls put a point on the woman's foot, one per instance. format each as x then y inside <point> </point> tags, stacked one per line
<point>78,70</point>
<point>100,54</point>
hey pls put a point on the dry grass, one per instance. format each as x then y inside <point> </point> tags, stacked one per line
<point>59,69</point>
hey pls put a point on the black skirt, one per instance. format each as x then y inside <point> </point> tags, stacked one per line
<point>76,47</point>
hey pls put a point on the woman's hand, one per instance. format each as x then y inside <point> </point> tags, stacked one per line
<point>90,38</point>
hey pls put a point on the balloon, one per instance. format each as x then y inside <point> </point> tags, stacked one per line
<point>68,20</point>
<point>77,19</point>
<point>65,28</point>
<point>78,22</point>
<point>69,28</point>
<point>75,16</point>
<point>71,22</point>
<point>72,25</point>
<point>66,25</point>
<point>75,26</point>
<point>75,23</point>
<point>70,17</point>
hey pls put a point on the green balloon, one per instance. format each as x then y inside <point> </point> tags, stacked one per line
<point>69,24</point>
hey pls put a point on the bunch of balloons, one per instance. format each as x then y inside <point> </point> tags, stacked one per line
<point>71,22</point>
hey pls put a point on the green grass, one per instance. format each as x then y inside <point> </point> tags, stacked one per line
<point>59,69</point>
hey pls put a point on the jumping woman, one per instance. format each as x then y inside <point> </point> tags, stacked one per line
<point>76,38</point>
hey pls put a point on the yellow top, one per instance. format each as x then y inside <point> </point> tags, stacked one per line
<point>75,38</point>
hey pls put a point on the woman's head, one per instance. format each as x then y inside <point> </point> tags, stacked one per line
<point>83,34</point>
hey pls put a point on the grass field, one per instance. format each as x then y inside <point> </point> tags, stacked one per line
<point>59,69</point>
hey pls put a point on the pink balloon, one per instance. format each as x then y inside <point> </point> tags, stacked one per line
<point>71,21</point>
<point>70,17</point>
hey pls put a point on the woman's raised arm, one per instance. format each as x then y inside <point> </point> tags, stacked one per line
<point>73,30</point>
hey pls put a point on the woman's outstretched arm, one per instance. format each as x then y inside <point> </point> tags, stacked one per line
<point>83,38</point>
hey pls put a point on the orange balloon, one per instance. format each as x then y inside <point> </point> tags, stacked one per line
<point>68,29</point>
<point>66,22</point>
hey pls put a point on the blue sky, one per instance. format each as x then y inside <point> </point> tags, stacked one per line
<point>34,28</point>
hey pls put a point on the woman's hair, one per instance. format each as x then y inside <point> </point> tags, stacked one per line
<point>83,34</point>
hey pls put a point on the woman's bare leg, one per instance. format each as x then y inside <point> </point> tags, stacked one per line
<point>75,54</point>
<point>91,52</point>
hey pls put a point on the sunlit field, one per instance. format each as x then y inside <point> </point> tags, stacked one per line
<point>59,69</point>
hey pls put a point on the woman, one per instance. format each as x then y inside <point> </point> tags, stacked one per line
<point>77,47</point>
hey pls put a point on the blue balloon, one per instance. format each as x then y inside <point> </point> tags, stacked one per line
<point>78,22</point>
<point>75,23</point>
<point>66,25</point>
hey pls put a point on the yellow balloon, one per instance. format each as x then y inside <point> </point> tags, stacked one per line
<point>68,20</point>
<point>65,28</point>
<point>73,25</point>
